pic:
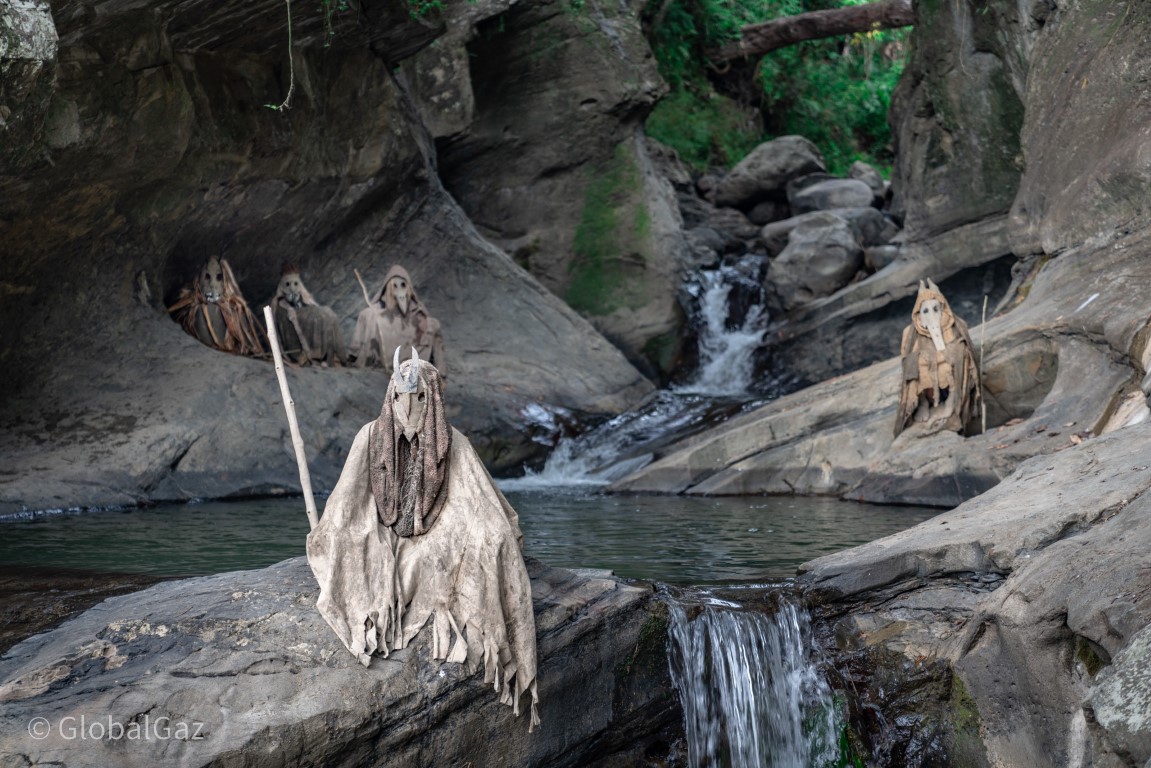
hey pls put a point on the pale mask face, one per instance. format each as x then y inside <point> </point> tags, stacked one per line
<point>409,410</point>
<point>931,317</point>
<point>212,281</point>
<point>401,292</point>
<point>292,289</point>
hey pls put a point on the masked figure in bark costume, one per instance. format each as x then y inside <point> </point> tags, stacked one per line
<point>940,383</point>
<point>214,311</point>
<point>396,317</point>
<point>414,532</point>
<point>308,332</point>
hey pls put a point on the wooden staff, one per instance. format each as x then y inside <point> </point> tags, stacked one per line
<point>363,287</point>
<point>979,375</point>
<point>290,407</point>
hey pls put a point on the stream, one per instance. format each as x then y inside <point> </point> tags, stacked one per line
<point>739,650</point>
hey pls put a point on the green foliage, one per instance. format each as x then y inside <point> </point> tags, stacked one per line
<point>835,92</point>
<point>706,129</point>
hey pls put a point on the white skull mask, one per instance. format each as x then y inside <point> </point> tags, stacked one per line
<point>409,409</point>
<point>401,293</point>
<point>931,317</point>
<point>212,281</point>
<point>292,289</point>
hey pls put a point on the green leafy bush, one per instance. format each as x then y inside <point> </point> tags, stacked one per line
<point>835,92</point>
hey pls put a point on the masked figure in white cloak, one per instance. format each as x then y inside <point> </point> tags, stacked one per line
<point>214,311</point>
<point>308,332</point>
<point>940,383</point>
<point>415,532</point>
<point>396,317</point>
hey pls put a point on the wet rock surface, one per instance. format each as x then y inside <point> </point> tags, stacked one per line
<point>248,664</point>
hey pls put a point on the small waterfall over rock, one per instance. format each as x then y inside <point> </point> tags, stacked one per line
<point>729,331</point>
<point>751,696</point>
<point>726,307</point>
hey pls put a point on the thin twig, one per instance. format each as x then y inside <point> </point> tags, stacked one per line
<point>287,102</point>
<point>293,425</point>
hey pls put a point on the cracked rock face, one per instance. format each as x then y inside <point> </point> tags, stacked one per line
<point>247,666</point>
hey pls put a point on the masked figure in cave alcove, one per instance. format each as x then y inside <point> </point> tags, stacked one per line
<point>396,317</point>
<point>940,381</point>
<point>416,533</point>
<point>214,311</point>
<point>308,332</point>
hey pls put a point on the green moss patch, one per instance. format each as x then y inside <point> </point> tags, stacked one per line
<point>612,242</point>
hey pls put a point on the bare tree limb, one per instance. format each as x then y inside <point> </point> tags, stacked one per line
<point>758,39</point>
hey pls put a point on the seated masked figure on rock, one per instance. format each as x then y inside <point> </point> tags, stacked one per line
<point>308,332</point>
<point>940,380</point>
<point>215,312</point>
<point>394,318</point>
<point>417,534</point>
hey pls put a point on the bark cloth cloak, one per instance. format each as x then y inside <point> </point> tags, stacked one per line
<point>381,327</point>
<point>465,572</point>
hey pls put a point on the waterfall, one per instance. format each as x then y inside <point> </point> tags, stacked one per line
<point>751,697</point>
<point>726,348</point>
<point>730,330</point>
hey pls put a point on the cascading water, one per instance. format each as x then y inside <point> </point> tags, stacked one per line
<point>751,696</point>
<point>725,352</point>
<point>728,338</point>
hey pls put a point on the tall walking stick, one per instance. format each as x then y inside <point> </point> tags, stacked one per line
<point>982,401</point>
<point>290,407</point>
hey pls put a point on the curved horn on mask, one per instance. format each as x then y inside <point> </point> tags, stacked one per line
<point>932,285</point>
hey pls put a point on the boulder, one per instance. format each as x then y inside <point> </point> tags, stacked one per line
<point>240,668</point>
<point>879,256</point>
<point>861,171</point>
<point>822,255</point>
<point>732,224</point>
<point>767,212</point>
<point>766,169</point>
<point>871,228</point>
<point>958,158</point>
<point>1028,603</point>
<point>830,194</point>
<point>706,245</point>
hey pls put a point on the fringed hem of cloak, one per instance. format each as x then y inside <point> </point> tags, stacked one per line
<point>504,677</point>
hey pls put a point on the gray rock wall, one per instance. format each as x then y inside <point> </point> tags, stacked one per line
<point>553,167</point>
<point>157,151</point>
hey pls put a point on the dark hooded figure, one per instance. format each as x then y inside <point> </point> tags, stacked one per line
<point>309,333</point>
<point>415,533</point>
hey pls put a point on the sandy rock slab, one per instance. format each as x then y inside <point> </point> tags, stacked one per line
<point>239,669</point>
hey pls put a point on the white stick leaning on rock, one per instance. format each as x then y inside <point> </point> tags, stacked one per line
<point>293,425</point>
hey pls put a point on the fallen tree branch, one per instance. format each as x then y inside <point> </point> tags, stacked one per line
<point>757,39</point>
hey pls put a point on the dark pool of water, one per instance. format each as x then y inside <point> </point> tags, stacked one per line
<point>664,538</point>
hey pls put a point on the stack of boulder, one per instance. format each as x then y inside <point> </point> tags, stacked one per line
<point>814,232</point>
